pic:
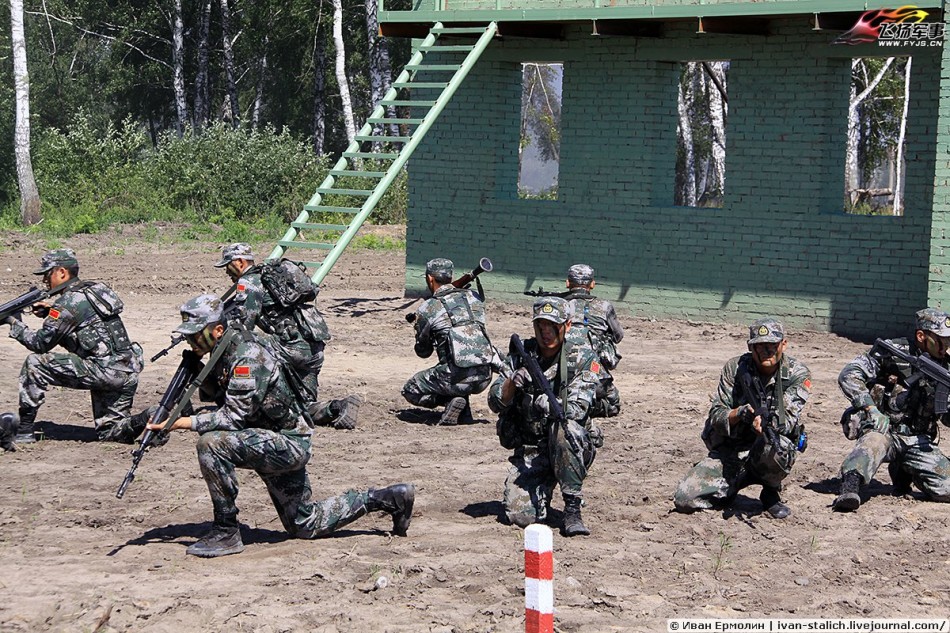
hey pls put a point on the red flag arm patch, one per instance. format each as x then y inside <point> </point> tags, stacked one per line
<point>53,313</point>
<point>595,367</point>
<point>807,384</point>
<point>241,287</point>
<point>242,371</point>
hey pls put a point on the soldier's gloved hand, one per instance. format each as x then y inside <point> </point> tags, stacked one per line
<point>745,413</point>
<point>521,378</point>
<point>879,422</point>
<point>542,405</point>
<point>40,310</point>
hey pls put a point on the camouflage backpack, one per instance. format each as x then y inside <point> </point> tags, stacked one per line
<point>288,282</point>
<point>468,341</point>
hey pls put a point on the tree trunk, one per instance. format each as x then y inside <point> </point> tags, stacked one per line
<point>346,103</point>
<point>261,79</point>
<point>718,111</point>
<point>852,169</point>
<point>319,90</point>
<point>898,208</point>
<point>380,71</point>
<point>178,69</point>
<point>688,191</point>
<point>235,113</point>
<point>202,96</point>
<point>29,194</point>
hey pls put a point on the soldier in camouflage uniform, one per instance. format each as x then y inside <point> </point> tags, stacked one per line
<point>543,456</point>
<point>261,426</point>
<point>451,323</point>
<point>595,324</point>
<point>84,320</point>
<point>300,332</point>
<point>893,421</point>
<point>740,452</point>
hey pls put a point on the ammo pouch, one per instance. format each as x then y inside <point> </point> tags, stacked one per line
<point>107,306</point>
<point>468,343</point>
<point>311,324</point>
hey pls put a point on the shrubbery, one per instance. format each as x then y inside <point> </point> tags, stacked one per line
<point>228,181</point>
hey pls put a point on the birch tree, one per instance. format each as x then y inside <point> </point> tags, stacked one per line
<point>178,68</point>
<point>852,170</point>
<point>319,88</point>
<point>234,114</point>
<point>687,172</point>
<point>345,101</point>
<point>202,90</point>
<point>380,71</point>
<point>29,194</point>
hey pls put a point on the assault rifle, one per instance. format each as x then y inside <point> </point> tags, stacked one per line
<point>516,348</point>
<point>189,367</point>
<point>923,365</point>
<point>541,292</point>
<point>484,266</point>
<point>16,306</point>
<point>755,395</point>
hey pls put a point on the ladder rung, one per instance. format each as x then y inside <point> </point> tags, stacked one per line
<point>434,67</point>
<point>293,244</point>
<point>448,48</point>
<point>405,102</point>
<point>356,174</point>
<point>457,30</point>
<point>391,139</point>
<point>370,155</point>
<point>394,121</point>
<point>344,192</point>
<point>420,84</point>
<point>319,208</point>
<point>320,227</point>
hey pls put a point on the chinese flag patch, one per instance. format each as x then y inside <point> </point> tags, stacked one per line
<point>242,371</point>
<point>53,314</point>
<point>595,367</point>
<point>808,384</point>
<point>241,287</point>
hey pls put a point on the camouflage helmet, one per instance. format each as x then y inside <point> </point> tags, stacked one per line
<point>580,275</point>
<point>440,269</point>
<point>231,252</point>
<point>934,320</point>
<point>766,330</point>
<point>61,257</point>
<point>198,313</point>
<point>553,309</point>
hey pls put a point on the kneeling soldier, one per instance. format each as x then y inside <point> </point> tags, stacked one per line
<point>261,426</point>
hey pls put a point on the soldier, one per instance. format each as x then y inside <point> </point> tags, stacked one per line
<point>300,331</point>
<point>84,320</point>
<point>595,324</point>
<point>543,456</point>
<point>893,418</point>
<point>261,426</point>
<point>452,323</point>
<point>744,448</point>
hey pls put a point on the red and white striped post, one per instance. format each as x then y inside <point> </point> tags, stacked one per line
<point>538,579</point>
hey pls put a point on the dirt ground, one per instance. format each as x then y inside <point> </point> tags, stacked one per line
<point>75,558</point>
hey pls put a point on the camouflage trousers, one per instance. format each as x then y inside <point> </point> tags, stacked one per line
<point>435,386</point>
<point>111,390</point>
<point>916,455</point>
<point>715,481</point>
<point>280,460</point>
<point>535,470</point>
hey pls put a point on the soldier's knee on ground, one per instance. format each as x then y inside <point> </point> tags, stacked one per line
<point>685,501</point>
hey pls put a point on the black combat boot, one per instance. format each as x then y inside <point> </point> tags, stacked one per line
<point>453,410</point>
<point>8,426</point>
<point>223,539</point>
<point>396,500</point>
<point>900,479</point>
<point>573,525</point>
<point>849,499</point>
<point>24,431</point>
<point>772,503</point>
<point>346,411</point>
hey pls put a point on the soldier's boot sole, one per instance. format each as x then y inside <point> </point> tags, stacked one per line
<point>453,410</point>
<point>219,542</point>
<point>349,409</point>
<point>847,502</point>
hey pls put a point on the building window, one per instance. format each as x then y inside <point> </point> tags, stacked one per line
<point>877,125</point>
<point>703,110</point>
<point>539,149</point>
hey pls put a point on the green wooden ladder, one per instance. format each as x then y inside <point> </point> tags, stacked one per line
<point>350,179</point>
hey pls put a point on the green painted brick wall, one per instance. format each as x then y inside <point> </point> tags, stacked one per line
<point>780,245</point>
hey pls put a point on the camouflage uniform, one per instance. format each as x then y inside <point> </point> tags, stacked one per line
<point>738,456</point>
<point>596,325</point>
<point>84,320</point>
<point>543,457</point>
<point>262,426</point>
<point>299,332</point>
<point>909,444</point>
<point>451,323</point>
